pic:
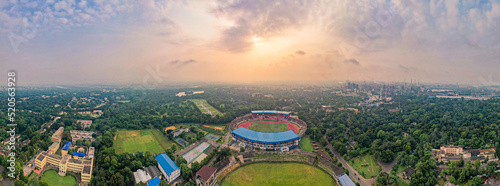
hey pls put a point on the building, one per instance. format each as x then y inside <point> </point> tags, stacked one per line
<point>265,140</point>
<point>206,176</point>
<point>180,131</point>
<point>154,182</point>
<point>456,153</point>
<point>56,137</point>
<point>53,148</point>
<point>487,153</point>
<point>65,148</point>
<point>146,174</point>
<point>84,123</point>
<point>408,172</point>
<point>168,168</point>
<point>81,135</point>
<point>66,163</point>
<point>450,149</point>
<point>346,181</point>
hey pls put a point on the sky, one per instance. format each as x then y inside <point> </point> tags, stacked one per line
<point>150,42</point>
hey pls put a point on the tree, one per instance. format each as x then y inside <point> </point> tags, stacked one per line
<point>242,149</point>
<point>186,172</point>
<point>425,174</point>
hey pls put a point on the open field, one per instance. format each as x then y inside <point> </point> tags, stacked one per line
<point>216,127</point>
<point>132,141</point>
<point>270,126</point>
<point>306,145</point>
<point>53,179</point>
<point>163,139</point>
<point>277,174</point>
<point>205,108</point>
<point>366,165</point>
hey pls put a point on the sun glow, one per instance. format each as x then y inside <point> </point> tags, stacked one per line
<point>256,39</point>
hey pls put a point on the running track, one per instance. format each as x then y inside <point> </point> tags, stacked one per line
<point>157,140</point>
<point>290,126</point>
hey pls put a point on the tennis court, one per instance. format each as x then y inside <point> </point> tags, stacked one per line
<point>212,137</point>
<point>181,141</point>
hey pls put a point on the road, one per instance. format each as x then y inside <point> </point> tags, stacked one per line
<point>353,174</point>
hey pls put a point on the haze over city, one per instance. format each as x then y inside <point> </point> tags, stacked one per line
<point>72,42</point>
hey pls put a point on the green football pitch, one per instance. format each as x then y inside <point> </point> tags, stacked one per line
<point>132,141</point>
<point>268,127</point>
<point>277,174</point>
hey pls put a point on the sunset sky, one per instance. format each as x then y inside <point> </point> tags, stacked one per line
<point>113,41</point>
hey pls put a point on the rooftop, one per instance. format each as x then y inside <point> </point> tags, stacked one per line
<point>270,112</point>
<point>265,137</point>
<point>67,145</point>
<point>166,163</point>
<point>206,172</point>
<point>346,181</point>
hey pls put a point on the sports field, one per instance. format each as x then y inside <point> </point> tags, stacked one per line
<point>53,179</point>
<point>133,141</point>
<point>277,174</point>
<point>197,151</point>
<point>306,145</point>
<point>269,126</point>
<point>205,108</point>
<point>366,165</point>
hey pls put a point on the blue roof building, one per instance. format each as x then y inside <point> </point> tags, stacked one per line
<point>270,112</point>
<point>168,168</point>
<point>67,145</point>
<point>346,181</point>
<point>265,137</point>
<point>154,182</point>
<point>79,154</point>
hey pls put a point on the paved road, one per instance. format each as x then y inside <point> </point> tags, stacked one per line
<point>353,174</point>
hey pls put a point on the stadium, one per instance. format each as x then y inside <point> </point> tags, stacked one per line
<point>268,130</point>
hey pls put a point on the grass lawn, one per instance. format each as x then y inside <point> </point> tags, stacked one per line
<point>132,141</point>
<point>268,127</point>
<point>277,174</point>
<point>204,107</point>
<point>52,178</point>
<point>366,165</point>
<point>164,140</point>
<point>306,145</point>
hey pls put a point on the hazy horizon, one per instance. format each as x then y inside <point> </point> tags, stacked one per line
<point>153,42</point>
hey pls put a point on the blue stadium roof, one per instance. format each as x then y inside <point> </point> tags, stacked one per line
<point>79,154</point>
<point>270,112</point>
<point>346,181</point>
<point>66,145</point>
<point>166,163</point>
<point>154,182</point>
<point>265,137</point>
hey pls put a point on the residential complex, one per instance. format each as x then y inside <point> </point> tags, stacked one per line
<point>81,135</point>
<point>84,123</point>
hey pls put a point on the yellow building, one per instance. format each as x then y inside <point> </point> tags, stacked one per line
<point>67,163</point>
<point>56,137</point>
<point>490,153</point>
<point>53,148</point>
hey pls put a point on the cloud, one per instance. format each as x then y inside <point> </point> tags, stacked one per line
<point>351,61</point>
<point>300,52</point>
<point>263,19</point>
<point>180,63</point>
